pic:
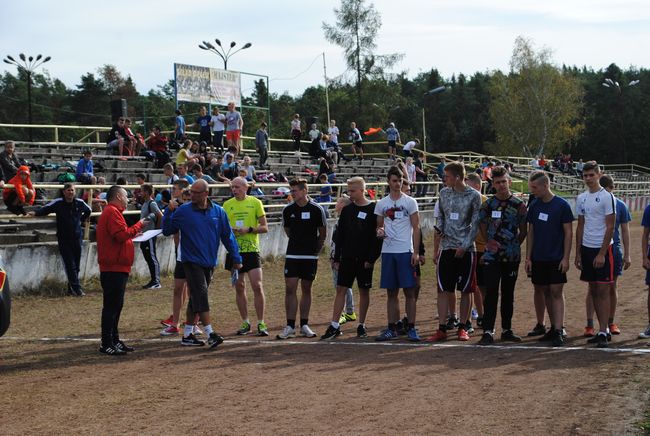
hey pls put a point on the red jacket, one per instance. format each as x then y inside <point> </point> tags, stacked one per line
<point>114,246</point>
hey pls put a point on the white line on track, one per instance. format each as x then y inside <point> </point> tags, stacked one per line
<point>355,344</point>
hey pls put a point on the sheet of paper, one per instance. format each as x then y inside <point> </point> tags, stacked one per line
<point>147,235</point>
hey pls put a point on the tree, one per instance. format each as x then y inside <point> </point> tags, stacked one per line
<point>355,31</point>
<point>536,107</point>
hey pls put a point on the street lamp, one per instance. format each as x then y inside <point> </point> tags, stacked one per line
<point>223,54</point>
<point>609,83</point>
<point>28,65</point>
<point>433,91</point>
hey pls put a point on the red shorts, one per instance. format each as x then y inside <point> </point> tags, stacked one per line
<point>233,135</point>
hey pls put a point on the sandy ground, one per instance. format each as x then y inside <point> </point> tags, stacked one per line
<point>352,386</point>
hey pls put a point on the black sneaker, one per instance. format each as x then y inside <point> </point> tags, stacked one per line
<point>214,340</point>
<point>452,323</point>
<point>479,322</point>
<point>191,341</point>
<point>538,330</point>
<point>111,350</point>
<point>331,333</point>
<point>468,327</point>
<point>510,336</point>
<point>123,347</point>
<point>558,339</point>
<point>601,341</point>
<point>400,327</point>
<point>548,336</point>
<point>486,339</point>
<point>361,331</point>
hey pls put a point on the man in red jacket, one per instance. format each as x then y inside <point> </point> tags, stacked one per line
<point>115,256</point>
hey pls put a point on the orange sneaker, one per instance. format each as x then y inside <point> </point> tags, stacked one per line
<point>462,335</point>
<point>589,332</point>
<point>613,329</point>
<point>438,336</point>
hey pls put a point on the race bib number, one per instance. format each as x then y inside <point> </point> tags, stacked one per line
<point>239,224</point>
<point>399,214</point>
<point>453,216</point>
<point>543,216</point>
<point>362,215</point>
<point>305,215</point>
<point>496,214</point>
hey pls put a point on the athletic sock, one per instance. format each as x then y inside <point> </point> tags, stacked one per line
<point>189,328</point>
<point>247,321</point>
<point>590,322</point>
<point>335,324</point>
<point>208,329</point>
<point>291,323</point>
<point>442,327</point>
<point>304,321</point>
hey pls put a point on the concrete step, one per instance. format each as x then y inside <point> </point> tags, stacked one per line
<point>17,238</point>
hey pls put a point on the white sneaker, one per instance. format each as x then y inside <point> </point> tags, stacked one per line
<point>307,332</point>
<point>197,331</point>
<point>646,333</point>
<point>287,332</point>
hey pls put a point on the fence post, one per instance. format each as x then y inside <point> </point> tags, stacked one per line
<point>87,226</point>
<point>56,134</point>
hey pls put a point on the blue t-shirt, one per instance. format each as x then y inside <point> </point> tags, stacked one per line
<point>548,231</point>
<point>622,216</point>
<point>187,177</point>
<point>181,125</point>
<point>392,134</point>
<point>204,123</point>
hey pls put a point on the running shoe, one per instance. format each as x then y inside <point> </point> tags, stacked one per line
<point>600,340</point>
<point>645,334</point>
<point>486,339</point>
<point>122,346</point>
<point>307,332</point>
<point>287,332</point>
<point>538,330</point>
<point>479,322</point>
<point>413,335</point>
<point>438,336</point>
<point>361,331</point>
<point>557,340</point>
<point>589,332</point>
<point>262,329</point>
<point>462,335</point>
<point>401,328</point>
<point>191,341</point>
<point>548,336</point>
<point>345,317</point>
<point>214,340</point>
<point>331,333</point>
<point>452,323</point>
<point>244,328</point>
<point>197,330</point>
<point>386,335</point>
<point>510,336</point>
<point>474,314</point>
<point>154,285</point>
<point>111,350</point>
<point>468,327</point>
<point>170,331</point>
<point>168,322</point>
<point>613,329</point>
<point>564,333</point>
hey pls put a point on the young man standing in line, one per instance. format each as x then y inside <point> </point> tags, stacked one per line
<point>645,253</point>
<point>247,219</point>
<point>548,251</point>
<point>503,225</point>
<point>305,225</point>
<point>622,260</point>
<point>150,210</point>
<point>398,222</point>
<point>458,209</point>
<point>596,219</point>
<point>357,249</point>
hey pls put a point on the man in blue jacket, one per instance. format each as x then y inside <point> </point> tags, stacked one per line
<point>201,224</point>
<point>70,212</point>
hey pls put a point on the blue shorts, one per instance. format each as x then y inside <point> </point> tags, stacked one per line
<point>397,271</point>
<point>618,262</point>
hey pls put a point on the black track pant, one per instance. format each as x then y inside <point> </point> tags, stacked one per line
<point>495,274</point>
<point>114,285</point>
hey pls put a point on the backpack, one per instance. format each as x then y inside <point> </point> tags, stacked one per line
<point>66,177</point>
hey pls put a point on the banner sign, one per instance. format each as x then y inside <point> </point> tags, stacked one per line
<point>207,85</point>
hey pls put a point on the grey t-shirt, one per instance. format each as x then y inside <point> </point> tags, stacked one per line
<point>232,121</point>
<point>147,208</point>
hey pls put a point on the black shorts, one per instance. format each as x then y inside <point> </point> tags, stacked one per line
<point>392,144</point>
<point>304,269</point>
<point>547,273</point>
<point>249,261</point>
<point>179,271</point>
<point>349,269</point>
<point>479,279</point>
<point>456,273</point>
<point>358,145</point>
<point>198,280</point>
<point>604,274</point>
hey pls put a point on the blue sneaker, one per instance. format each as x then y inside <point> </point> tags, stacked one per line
<point>413,335</point>
<point>386,335</point>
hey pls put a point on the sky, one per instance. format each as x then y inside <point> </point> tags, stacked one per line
<point>144,38</point>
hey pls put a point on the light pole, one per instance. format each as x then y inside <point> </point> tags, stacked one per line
<point>28,65</point>
<point>223,54</point>
<point>433,91</point>
<point>611,84</point>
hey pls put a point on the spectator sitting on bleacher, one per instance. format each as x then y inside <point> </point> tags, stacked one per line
<point>98,200</point>
<point>199,175</point>
<point>140,180</point>
<point>115,141</point>
<point>215,169</point>
<point>170,177</point>
<point>9,162</point>
<point>185,156</point>
<point>23,192</point>
<point>182,173</point>
<point>135,140</point>
<point>249,168</point>
<point>157,143</point>
<point>326,167</point>
<point>229,167</point>
<point>195,150</point>
<point>84,173</point>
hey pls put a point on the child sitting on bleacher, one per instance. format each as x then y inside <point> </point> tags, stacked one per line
<point>22,193</point>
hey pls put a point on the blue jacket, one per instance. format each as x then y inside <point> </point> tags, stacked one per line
<point>200,232</point>
<point>84,166</point>
<point>68,216</point>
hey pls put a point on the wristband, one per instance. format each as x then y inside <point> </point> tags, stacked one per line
<point>250,230</point>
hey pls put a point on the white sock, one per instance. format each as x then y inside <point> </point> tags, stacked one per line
<point>208,329</point>
<point>189,328</point>
<point>247,321</point>
<point>335,324</point>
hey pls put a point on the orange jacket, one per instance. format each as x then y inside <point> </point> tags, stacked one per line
<point>114,246</point>
<point>17,181</point>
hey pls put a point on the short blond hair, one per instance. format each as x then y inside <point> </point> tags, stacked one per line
<point>357,181</point>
